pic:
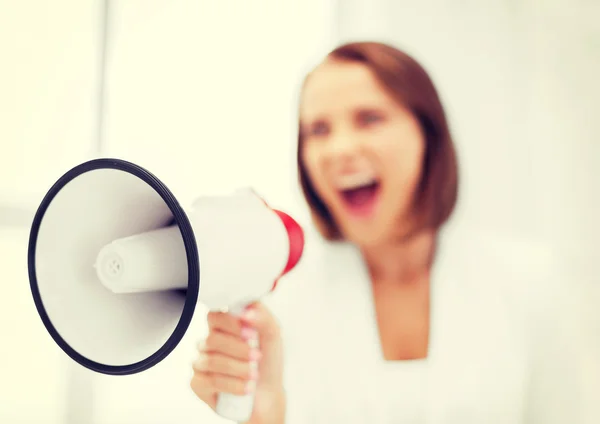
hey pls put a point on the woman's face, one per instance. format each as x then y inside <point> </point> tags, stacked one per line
<point>362,151</point>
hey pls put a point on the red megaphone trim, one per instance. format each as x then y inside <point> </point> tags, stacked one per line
<point>295,238</point>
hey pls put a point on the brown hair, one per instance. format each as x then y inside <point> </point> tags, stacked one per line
<point>410,85</point>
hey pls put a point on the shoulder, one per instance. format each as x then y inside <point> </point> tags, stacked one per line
<point>483,247</point>
<point>499,257</point>
<point>529,274</point>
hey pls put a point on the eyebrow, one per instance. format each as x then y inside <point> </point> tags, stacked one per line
<point>353,111</point>
<point>304,121</point>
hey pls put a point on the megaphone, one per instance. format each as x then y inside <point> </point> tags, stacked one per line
<point>117,266</point>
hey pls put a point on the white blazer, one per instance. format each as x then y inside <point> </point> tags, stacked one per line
<point>505,347</point>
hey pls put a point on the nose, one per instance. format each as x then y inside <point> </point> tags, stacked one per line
<point>343,145</point>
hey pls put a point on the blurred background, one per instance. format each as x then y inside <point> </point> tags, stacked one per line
<point>203,93</point>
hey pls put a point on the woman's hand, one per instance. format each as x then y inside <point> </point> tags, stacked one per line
<point>229,362</point>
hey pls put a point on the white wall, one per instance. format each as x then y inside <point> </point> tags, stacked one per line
<point>48,57</point>
<point>33,383</point>
<point>204,95</point>
<point>48,85</point>
<point>564,100</point>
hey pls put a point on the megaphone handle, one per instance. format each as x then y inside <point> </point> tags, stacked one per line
<point>237,408</point>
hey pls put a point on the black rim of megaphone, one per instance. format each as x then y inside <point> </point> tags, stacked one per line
<point>180,218</point>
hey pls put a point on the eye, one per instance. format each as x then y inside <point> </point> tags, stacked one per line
<point>369,117</point>
<point>318,129</point>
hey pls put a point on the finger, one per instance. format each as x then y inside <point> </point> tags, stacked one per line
<point>225,323</point>
<point>224,365</point>
<point>201,386</point>
<point>228,345</point>
<point>221,384</point>
<point>260,318</point>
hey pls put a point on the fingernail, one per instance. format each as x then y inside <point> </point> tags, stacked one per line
<point>249,315</point>
<point>248,333</point>
<point>255,355</point>
<point>250,386</point>
<point>253,343</point>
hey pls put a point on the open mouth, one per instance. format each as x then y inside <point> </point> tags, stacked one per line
<point>361,199</point>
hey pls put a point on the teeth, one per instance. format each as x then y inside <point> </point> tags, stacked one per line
<point>348,182</point>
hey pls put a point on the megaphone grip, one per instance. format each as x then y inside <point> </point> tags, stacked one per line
<point>237,408</point>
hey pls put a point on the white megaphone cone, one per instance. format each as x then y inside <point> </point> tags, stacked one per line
<point>116,266</point>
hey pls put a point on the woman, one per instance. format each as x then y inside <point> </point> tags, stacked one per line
<point>390,319</point>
